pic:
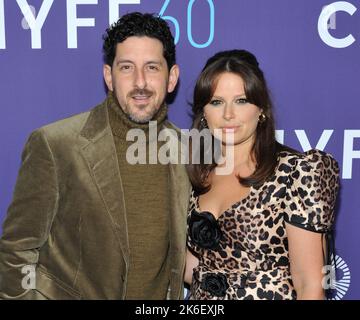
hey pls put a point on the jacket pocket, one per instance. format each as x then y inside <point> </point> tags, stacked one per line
<point>53,288</point>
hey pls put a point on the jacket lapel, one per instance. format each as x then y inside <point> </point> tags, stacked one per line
<point>179,186</point>
<point>100,154</point>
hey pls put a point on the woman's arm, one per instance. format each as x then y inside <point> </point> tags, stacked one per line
<point>191,263</point>
<point>306,262</point>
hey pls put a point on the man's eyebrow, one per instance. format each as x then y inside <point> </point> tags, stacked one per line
<point>154,62</point>
<point>123,61</point>
<point>120,61</point>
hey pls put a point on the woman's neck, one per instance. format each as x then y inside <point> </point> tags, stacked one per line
<point>240,155</point>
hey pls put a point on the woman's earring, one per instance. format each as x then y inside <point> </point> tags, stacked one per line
<point>203,123</point>
<point>262,118</point>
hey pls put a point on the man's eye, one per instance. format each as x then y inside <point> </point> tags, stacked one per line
<point>153,68</point>
<point>215,102</point>
<point>242,101</point>
<point>125,67</point>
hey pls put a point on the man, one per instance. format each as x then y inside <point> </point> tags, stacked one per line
<point>91,225</point>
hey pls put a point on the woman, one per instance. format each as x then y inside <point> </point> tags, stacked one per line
<point>261,231</point>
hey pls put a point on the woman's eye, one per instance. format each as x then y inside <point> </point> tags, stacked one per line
<point>242,101</point>
<point>215,102</point>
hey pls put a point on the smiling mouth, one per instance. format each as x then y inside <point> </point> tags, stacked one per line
<point>141,100</point>
<point>230,129</point>
<point>141,97</point>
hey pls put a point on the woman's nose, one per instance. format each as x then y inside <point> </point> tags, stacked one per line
<point>228,113</point>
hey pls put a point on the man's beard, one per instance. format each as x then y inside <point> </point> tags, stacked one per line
<point>141,120</point>
<point>133,116</point>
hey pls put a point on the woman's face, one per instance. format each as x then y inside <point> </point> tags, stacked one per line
<point>231,113</point>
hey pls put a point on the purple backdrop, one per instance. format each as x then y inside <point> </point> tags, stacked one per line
<point>314,80</point>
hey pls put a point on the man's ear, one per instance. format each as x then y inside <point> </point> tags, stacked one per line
<point>108,77</point>
<point>173,78</point>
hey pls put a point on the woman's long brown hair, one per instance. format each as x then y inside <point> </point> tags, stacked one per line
<point>265,148</point>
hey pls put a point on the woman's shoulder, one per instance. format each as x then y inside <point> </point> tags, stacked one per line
<point>291,160</point>
<point>312,180</point>
<point>313,174</point>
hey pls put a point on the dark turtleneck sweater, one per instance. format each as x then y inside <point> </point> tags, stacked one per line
<point>147,209</point>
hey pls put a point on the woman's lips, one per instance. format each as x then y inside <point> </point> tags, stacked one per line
<point>229,129</point>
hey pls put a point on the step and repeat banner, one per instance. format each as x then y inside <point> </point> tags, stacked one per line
<point>51,68</point>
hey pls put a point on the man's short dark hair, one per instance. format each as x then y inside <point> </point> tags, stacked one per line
<point>139,25</point>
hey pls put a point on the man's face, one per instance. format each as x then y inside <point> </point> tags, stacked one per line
<point>140,78</point>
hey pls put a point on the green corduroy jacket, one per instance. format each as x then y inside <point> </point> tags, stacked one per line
<point>67,221</point>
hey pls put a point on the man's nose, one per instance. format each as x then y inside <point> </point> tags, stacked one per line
<point>140,79</point>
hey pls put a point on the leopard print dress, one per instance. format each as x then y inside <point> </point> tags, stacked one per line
<point>244,253</point>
